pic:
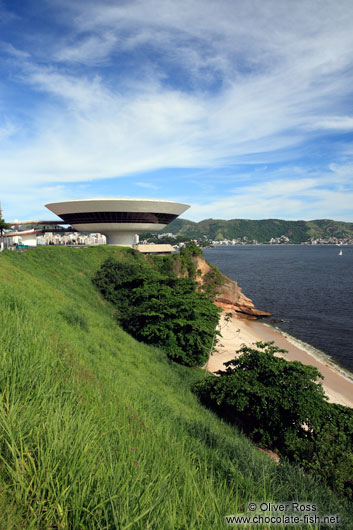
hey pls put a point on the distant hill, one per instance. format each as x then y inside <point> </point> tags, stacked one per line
<point>261,230</point>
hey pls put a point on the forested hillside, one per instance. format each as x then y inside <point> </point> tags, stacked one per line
<point>261,230</point>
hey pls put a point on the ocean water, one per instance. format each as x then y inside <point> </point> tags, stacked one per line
<point>310,288</point>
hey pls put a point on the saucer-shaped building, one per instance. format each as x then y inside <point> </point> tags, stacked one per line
<point>119,219</point>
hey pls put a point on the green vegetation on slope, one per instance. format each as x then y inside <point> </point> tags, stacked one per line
<point>160,309</point>
<point>99,431</point>
<point>260,230</point>
<point>282,406</point>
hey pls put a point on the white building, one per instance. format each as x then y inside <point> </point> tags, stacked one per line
<point>119,219</point>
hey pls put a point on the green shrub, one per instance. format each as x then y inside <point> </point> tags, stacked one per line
<point>272,397</point>
<point>328,449</point>
<point>212,280</point>
<point>280,405</point>
<point>162,310</point>
<point>187,253</point>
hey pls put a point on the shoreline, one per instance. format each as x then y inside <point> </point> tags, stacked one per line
<point>240,330</point>
<point>317,354</point>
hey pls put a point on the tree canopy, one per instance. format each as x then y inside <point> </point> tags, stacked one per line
<point>160,309</point>
<point>3,226</point>
<point>274,398</point>
<point>281,405</point>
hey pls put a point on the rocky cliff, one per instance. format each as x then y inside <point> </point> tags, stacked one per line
<point>227,293</point>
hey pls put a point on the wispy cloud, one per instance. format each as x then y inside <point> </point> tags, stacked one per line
<point>147,185</point>
<point>91,50</point>
<point>287,194</point>
<point>119,91</point>
<point>9,49</point>
<point>339,123</point>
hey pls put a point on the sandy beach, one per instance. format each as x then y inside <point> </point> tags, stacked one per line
<point>240,330</point>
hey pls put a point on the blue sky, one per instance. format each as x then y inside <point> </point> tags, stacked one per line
<point>242,109</point>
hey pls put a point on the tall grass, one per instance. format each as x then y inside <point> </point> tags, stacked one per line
<point>99,431</point>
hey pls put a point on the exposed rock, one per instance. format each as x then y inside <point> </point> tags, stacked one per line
<point>229,295</point>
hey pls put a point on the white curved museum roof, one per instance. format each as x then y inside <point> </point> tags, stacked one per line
<point>117,204</point>
<point>119,218</point>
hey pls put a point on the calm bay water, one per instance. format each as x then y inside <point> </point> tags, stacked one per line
<point>309,287</point>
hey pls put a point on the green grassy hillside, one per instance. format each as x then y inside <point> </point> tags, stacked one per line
<point>99,431</point>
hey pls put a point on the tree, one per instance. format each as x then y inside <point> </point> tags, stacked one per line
<point>170,313</point>
<point>160,309</point>
<point>328,450</point>
<point>280,405</point>
<point>274,399</point>
<point>3,226</point>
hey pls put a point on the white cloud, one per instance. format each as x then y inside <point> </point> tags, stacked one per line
<point>281,200</point>
<point>91,50</point>
<point>209,84</point>
<point>7,129</point>
<point>147,185</point>
<point>8,48</point>
<point>28,203</point>
<point>340,123</point>
<point>287,193</point>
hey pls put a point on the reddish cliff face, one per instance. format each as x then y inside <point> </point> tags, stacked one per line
<point>228,295</point>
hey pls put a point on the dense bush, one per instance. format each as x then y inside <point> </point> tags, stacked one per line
<point>212,281</point>
<point>327,450</point>
<point>187,252</point>
<point>280,405</point>
<point>160,309</point>
<point>272,397</point>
